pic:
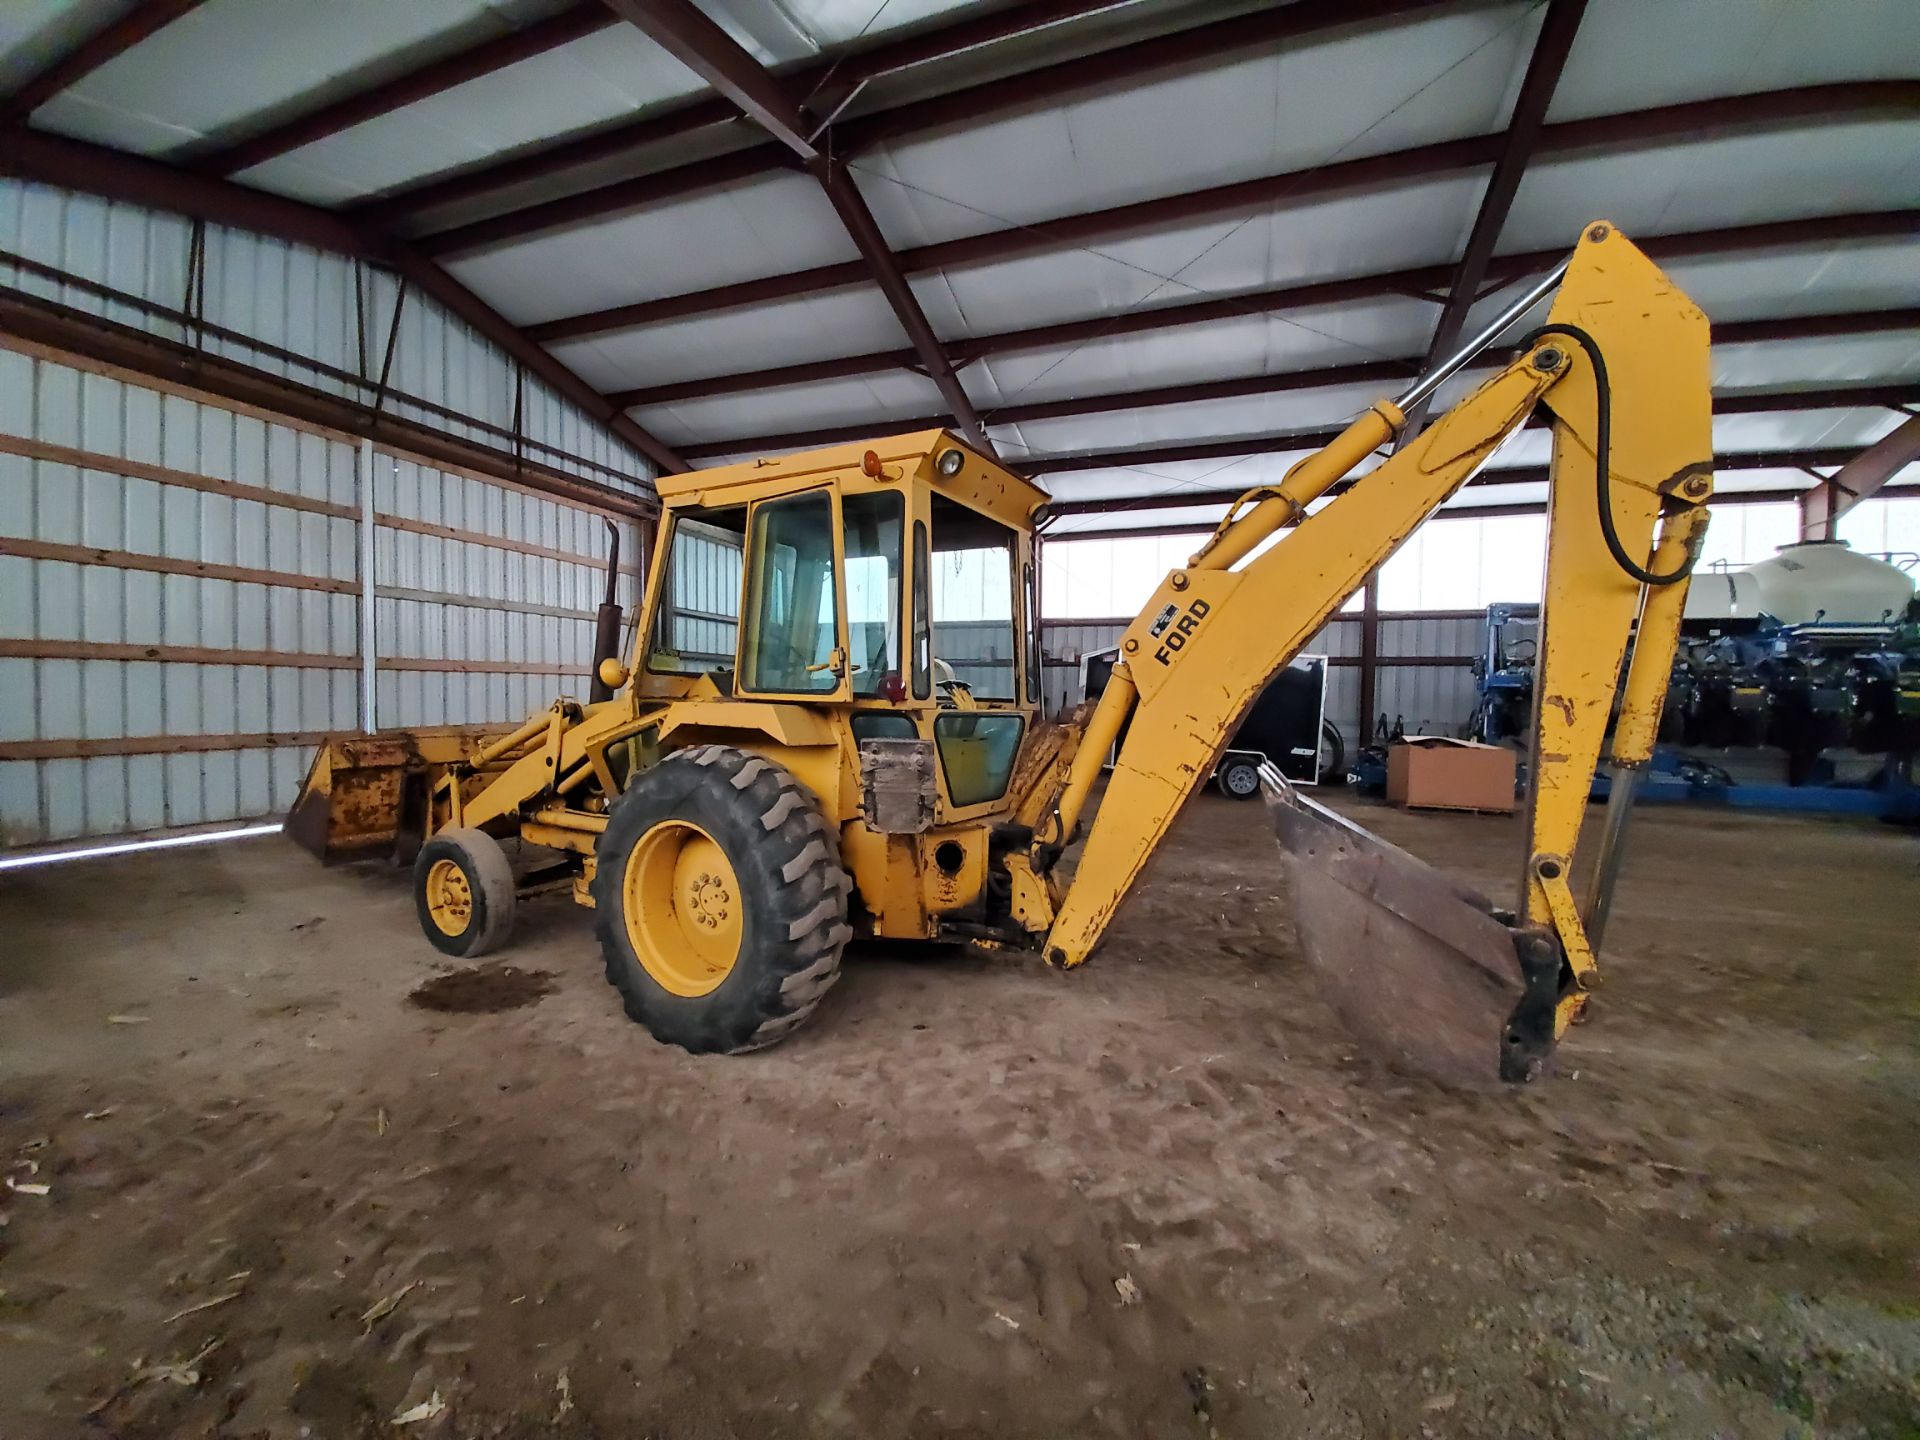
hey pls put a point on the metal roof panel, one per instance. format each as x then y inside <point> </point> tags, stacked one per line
<point>810,327</point>
<point>607,76</point>
<point>1402,228</point>
<point>852,402</point>
<point>294,54</point>
<point>1633,54</point>
<point>1369,91</point>
<point>763,227</point>
<point>1820,170</point>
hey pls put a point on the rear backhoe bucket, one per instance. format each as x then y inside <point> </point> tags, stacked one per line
<point>1419,967</point>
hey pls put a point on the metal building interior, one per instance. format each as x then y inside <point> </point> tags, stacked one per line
<point>350,357</point>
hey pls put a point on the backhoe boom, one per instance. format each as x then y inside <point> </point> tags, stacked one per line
<point>1621,365</point>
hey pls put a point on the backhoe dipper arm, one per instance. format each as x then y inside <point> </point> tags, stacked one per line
<point>1622,366</point>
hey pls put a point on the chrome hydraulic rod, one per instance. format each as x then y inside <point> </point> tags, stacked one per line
<point>1454,363</point>
<point>1622,787</point>
<point>1240,535</point>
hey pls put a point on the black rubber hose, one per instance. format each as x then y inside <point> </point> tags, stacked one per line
<point>1603,456</point>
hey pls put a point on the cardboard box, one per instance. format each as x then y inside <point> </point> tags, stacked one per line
<point>1437,772</point>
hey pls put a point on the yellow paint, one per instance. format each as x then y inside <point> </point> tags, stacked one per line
<point>1655,342</point>
<point>785,723</point>
<point>1239,535</point>
<point>1223,635</point>
<point>887,868</point>
<point>1034,896</point>
<point>980,484</point>
<point>956,886</point>
<point>449,897</point>
<point>1211,638</point>
<point>683,908</point>
<point>1637,725</point>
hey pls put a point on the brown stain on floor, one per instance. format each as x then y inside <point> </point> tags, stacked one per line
<point>483,990</point>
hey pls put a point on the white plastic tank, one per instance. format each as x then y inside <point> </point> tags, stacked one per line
<point>1814,580</point>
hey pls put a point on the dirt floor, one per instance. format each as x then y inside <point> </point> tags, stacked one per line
<point>304,1180</point>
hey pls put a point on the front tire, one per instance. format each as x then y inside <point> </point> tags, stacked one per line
<point>719,901</point>
<point>464,892</point>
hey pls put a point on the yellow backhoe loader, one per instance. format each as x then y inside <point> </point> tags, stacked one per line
<point>786,761</point>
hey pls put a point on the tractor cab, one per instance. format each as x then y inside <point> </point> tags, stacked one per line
<point>892,580</point>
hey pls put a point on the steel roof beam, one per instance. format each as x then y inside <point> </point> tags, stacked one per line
<point>703,47</point>
<point>96,170</point>
<point>1738,240</point>
<point>50,159</point>
<point>1303,20</point>
<point>108,43</point>
<point>1383,372</point>
<point>1793,459</point>
<point>1279,442</point>
<point>129,347</point>
<point>1690,121</point>
<point>1544,66</point>
<point>582,19</point>
<point>1463,512</point>
<point>633,194</point>
<point>1421,162</point>
<point>632,136</point>
<point>1861,478</point>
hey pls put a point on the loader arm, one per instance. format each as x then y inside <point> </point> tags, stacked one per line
<point>1622,367</point>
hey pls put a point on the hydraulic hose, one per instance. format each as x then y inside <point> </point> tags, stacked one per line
<point>1603,456</point>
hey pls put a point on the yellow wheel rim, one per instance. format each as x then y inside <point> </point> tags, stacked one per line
<point>449,897</point>
<point>683,908</point>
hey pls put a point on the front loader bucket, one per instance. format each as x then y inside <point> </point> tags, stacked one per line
<point>365,796</point>
<point>349,805</point>
<point>1418,966</point>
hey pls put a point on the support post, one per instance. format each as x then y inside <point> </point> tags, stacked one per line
<point>1369,656</point>
<point>368,714</point>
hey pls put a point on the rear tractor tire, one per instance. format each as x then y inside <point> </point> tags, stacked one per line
<point>464,892</point>
<point>720,901</point>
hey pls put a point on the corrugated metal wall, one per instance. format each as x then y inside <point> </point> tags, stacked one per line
<point>137,532</point>
<point>323,308</point>
<point>1437,698</point>
<point>705,597</point>
<point>180,588</point>
<point>179,602</point>
<point>489,592</point>
<point>980,652</point>
<point>1429,699</point>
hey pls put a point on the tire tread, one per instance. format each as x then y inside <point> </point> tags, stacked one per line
<point>801,923</point>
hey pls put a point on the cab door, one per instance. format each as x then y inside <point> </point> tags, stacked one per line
<point>792,635</point>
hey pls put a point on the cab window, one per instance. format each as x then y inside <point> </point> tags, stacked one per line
<point>791,598</point>
<point>973,599</point>
<point>697,622</point>
<point>873,525</point>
